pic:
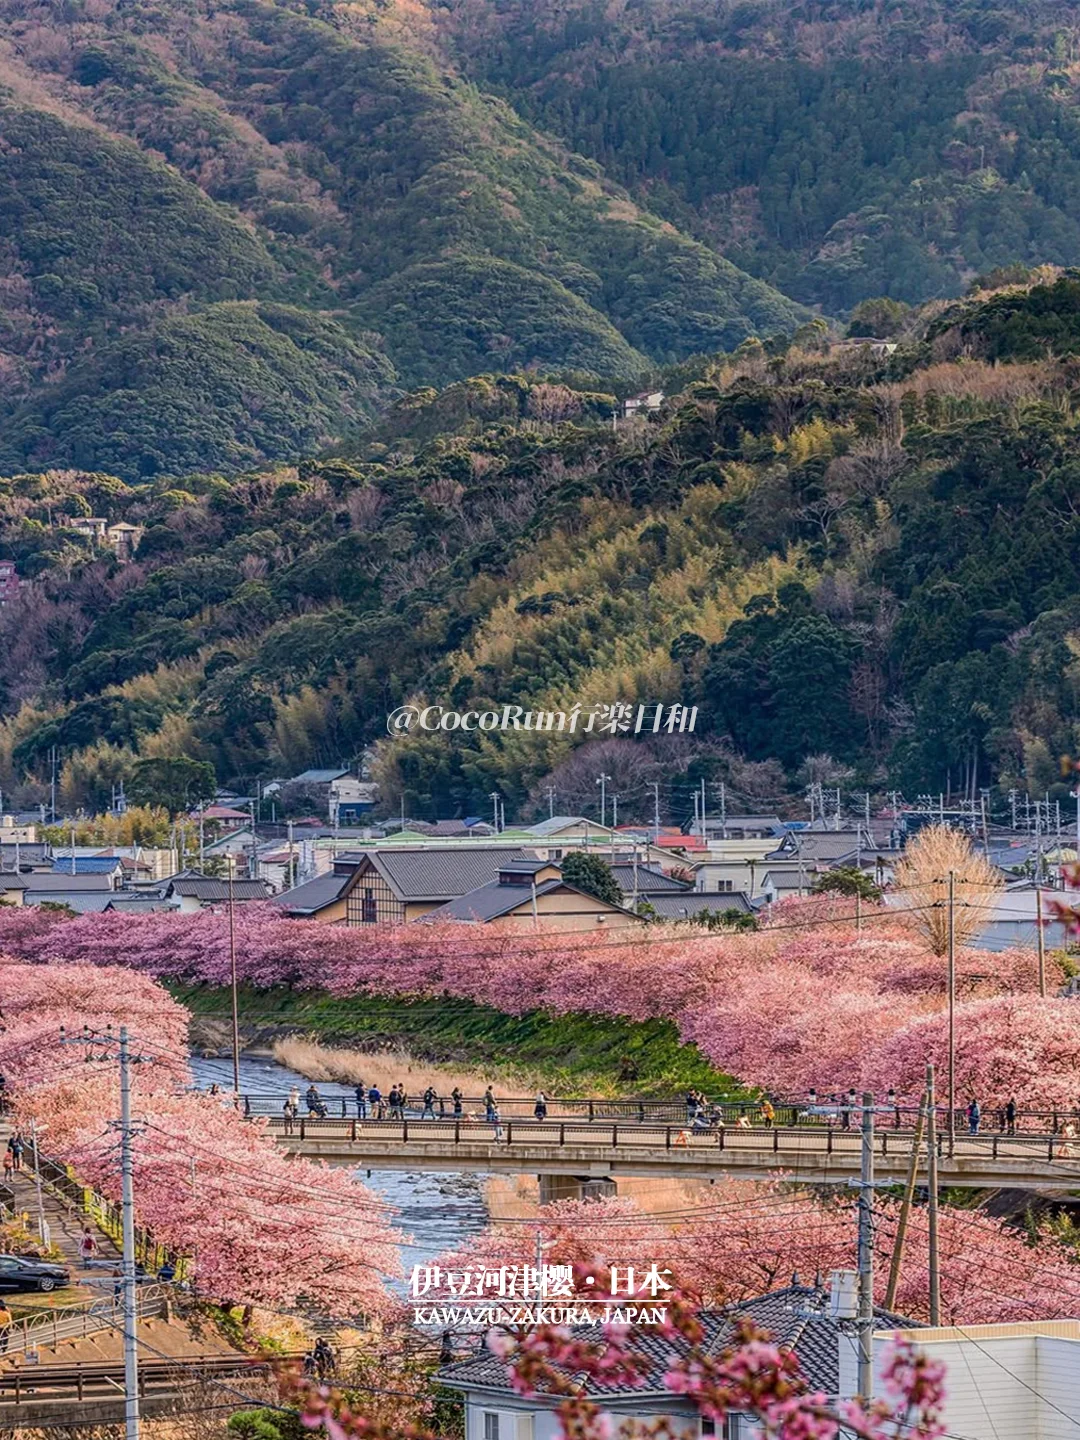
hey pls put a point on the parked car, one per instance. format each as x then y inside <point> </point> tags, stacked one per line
<point>20,1272</point>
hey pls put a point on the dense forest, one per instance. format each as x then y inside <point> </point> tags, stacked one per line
<point>857,563</point>
<point>435,189</point>
<point>161,162</point>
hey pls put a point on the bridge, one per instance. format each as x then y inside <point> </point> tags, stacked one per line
<point>92,1392</point>
<point>812,1154</point>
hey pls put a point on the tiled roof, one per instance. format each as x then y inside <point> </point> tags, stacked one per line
<point>205,887</point>
<point>490,901</point>
<point>796,1317</point>
<point>83,902</point>
<point>432,874</point>
<point>556,823</point>
<point>319,777</point>
<point>314,894</point>
<point>672,907</point>
<point>49,880</point>
<point>85,864</point>
<point>649,881</point>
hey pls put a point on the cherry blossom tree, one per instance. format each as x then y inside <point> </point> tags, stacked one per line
<point>256,1226</point>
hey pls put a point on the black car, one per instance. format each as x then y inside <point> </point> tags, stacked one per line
<point>19,1272</point>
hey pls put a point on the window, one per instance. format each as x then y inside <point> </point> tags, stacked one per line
<point>491,1425</point>
<point>726,885</point>
<point>367,908</point>
<point>714,1430</point>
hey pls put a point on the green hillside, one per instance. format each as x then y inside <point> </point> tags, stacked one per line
<point>838,150</point>
<point>318,163</point>
<point>857,565</point>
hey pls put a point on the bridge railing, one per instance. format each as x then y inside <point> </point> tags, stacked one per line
<point>795,1142</point>
<point>816,1112</point>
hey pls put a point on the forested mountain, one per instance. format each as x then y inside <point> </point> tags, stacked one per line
<point>159,162</point>
<point>855,563</point>
<point>838,148</point>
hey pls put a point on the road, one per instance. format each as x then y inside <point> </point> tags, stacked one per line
<point>814,1155</point>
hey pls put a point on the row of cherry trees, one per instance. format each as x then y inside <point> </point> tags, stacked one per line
<point>257,1227</point>
<point>809,1001</point>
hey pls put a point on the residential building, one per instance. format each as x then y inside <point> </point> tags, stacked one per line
<point>124,539</point>
<point>9,582</point>
<point>645,403</point>
<point>1007,1382</point>
<point>392,887</point>
<point>12,832</point>
<point>816,1325</point>
<point>323,898</point>
<point>81,893</point>
<point>13,889</point>
<point>533,893</point>
<point>66,863</point>
<point>191,892</point>
<point>15,855</point>
<point>742,827</point>
<point>694,902</point>
<point>351,799</point>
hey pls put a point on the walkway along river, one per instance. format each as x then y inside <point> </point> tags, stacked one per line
<point>436,1210</point>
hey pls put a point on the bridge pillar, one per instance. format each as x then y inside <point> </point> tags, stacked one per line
<point>574,1187</point>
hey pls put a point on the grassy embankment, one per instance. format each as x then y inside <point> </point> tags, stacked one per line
<point>568,1053</point>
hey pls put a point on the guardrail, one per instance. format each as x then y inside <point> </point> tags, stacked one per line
<point>79,1322</point>
<point>26,1384</point>
<point>805,1114</point>
<point>794,1140</point>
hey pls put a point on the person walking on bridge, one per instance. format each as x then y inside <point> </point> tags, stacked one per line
<point>489,1105</point>
<point>395,1103</point>
<point>457,1097</point>
<point>361,1100</point>
<point>377,1103</point>
<point>430,1096</point>
<point>1010,1117</point>
<point>974,1116</point>
<point>540,1108</point>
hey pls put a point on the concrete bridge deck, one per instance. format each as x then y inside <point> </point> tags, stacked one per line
<point>814,1155</point>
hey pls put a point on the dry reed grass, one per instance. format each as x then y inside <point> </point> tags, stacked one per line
<point>331,1064</point>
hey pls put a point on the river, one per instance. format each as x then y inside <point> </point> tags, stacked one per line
<point>436,1211</point>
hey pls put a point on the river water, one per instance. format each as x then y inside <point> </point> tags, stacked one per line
<point>436,1211</point>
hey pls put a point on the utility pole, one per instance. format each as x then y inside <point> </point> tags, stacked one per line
<point>1041,941</point>
<point>905,1207</point>
<point>292,855</point>
<point>836,822</point>
<point>866,1253</point>
<point>614,812</point>
<point>1012,808</point>
<point>232,976</point>
<point>602,781</point>
<point>127,1205</point>
<point>52,784</point>
<point>952,1012</point>
<point>655,787</point>
<point>932,1188</point>
<point>43,1229</point>
<point>704,837</point>
<point>73,847</point>
<point>723,811</point>
<point>493,797</point>
<point>551,802</point>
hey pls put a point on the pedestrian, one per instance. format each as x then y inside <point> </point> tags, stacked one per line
<point>323,1358</point>
<point>6,1322</point>
<point>288,1111</point>
<point>489,1103</point>
<point>456,1097</point>
<point>314,1103</point>
<point>395,1103</point>
<point>166,1272</point>
<point>87,1245</point>
<point>845,1116</point>
<point>361,1101</point>
<point>691,1105</point>
<point>999,1116</point>
<point>215,1089</point>
<point>9,1167</point>
<point>768,1114</point>
<point>743,1122</point>
<point>974,1116</point>
<point>117,1285</point>
<point>493,1116</point>
<point>701,1123</point>
<point>1010,1117</point>
<point>430,1096</point>
<point>1068,1135</point>
<point>377,1103</point>
<point>16,1144</point>
<point>540,1108</point>
<point>403,1099</point>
